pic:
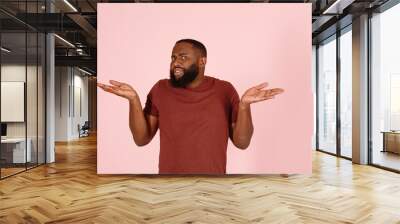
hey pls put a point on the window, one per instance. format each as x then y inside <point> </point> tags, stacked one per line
<point>327,95</point>
<point>385,88</point>
<point>22,78</point>
<point>346,93</point>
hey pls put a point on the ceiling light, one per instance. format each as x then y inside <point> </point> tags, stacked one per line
<point>5,49</point>
<point>70,5</point>
<point>64,40</point>
<point>338,6</point>
<point>86,72</point>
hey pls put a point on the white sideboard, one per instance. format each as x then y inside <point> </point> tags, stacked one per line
<point>18,149</point>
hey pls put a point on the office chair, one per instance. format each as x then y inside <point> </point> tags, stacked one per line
<point>84,130</point>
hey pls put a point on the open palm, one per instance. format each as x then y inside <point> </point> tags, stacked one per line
<point>258,93</point>
<point>119,89</point>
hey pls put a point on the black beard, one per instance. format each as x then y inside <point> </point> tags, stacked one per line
<point>188,76</point>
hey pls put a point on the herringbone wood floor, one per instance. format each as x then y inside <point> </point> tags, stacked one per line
<point>70,191</point>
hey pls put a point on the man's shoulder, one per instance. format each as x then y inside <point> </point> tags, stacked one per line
<point>223,83</point>
<point>160,83</point>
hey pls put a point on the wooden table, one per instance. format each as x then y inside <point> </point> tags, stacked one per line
<point>391,141</point>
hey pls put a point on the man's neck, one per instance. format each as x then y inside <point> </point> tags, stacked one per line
<point>199,79</point>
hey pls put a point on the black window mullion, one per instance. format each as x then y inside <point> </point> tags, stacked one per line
<point>0,97</point>
<point>37,90</point>
<point>26,86</point>
<point>317,97</point>
<point>338,91</point>
<point>369,90</point>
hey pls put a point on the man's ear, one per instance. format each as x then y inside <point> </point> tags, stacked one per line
<point>203,61</point>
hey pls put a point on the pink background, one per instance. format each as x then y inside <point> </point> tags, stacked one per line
<point>247,44</point>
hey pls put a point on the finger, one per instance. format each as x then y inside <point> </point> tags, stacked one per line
<point>100,84</point>
<point>272,92</point>
<point>103,87</point>
<point>112,90</point>
<point>263,99</point>
<point>116,83</point>
<point>262,85</point>
<point>107,87</point>
<point>276,91</point>
<point>116,88</point>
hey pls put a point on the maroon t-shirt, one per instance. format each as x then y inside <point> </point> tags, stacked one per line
<point>194,125</point>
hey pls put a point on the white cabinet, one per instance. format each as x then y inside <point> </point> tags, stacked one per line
<point>17,146</point>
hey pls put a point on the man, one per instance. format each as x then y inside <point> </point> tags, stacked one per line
<point>196,114</point>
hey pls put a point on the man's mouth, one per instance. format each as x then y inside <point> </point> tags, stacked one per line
<point>178,72</point>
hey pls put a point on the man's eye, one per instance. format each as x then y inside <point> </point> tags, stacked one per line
<point>183,57</point>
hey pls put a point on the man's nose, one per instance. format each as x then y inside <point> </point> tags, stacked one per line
<point>177,64</point>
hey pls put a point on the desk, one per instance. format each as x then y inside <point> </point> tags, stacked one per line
<point>391,141</point>
<point>15,148</point>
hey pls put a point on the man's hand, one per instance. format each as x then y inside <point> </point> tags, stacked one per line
<point>119,89</point>
<point>242,131</point>
<point>143,126</point>
<point>258,93</point>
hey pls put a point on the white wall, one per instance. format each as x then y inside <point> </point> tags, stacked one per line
<point>71,94</point>
<point>13,73</point>
<point>80,84</point>
<point>33,127</point>
<point>62,78</point>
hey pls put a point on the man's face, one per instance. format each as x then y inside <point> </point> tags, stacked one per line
<point>184,66</point>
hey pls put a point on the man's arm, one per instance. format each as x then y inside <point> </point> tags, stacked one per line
<point>143,126</point>
<point>242,131</point>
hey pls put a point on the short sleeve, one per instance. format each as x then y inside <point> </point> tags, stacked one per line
<point>150,105</point>
<point>233,103</point>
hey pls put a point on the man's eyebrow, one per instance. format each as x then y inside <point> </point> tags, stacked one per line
<point>180,54</point>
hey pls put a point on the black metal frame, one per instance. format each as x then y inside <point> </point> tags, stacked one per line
<point>338,153</point>
<point>382,8</point>
<point>389,4</point>
<point>338,75</point>
<point>0,93</point>
<point>44,71</point>
<point>316,97</point>
<point>369,91</point>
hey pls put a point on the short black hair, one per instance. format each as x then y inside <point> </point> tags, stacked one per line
<point>196,44</point>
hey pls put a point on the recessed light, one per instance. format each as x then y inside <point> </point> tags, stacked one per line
<point>64,40</point>
<point>5,50</point>
<point>86,72</point>
<point>70,5</point>
<point>338,6</point>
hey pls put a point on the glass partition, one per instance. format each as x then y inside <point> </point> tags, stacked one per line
<point>327,95</point>
<point>13,104</point>
<point>22,77</point>
<point>346,93</point>
<point>385,89</point>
